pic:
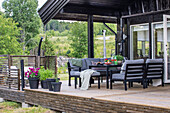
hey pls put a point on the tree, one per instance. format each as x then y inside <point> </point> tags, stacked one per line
<point>48,45</point>
<point>9,33</point>
<point>25,13</point>
<point>78,39</point>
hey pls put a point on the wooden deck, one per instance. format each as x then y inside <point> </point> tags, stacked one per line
<point>136,99</point>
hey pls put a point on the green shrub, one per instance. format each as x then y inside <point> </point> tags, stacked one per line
<point>44,74</point>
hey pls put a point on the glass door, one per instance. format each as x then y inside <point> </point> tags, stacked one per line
<point>161,44</point>
<point>166,34</point>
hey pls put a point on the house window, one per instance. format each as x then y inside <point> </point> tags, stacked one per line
<point>139,41</point>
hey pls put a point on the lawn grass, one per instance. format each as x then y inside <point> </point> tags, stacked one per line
<point>64,77</point>
<point>13,107</point>
<point>38,109</point>
<point>8,107</point>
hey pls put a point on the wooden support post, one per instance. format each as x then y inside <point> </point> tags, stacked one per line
<point>119,37</point>
<point>122,37</point>
<point>128,37</point>
<point>9,61</point>
<point>22,74</point>
<point>19,79</point>
<point>150,40</point>
<point>90,37</point>
<point>36,61</point>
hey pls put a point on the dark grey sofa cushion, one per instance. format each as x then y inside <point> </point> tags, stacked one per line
<point>121,76</point>
<point>74,73</point>
<point>84,65</point>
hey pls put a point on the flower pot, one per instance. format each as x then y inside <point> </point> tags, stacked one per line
<point>119,62</point>
<point>56,86</point>
<point>44,84</point>
<point>34,82</point>
<point>49,83</point>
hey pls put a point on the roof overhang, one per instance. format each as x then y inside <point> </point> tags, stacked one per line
<point>103,10</point>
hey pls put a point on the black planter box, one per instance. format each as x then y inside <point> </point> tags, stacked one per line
<point>56,86</point>
<point>49,83</point>
<point>44,84</point>
<point>34,82</point>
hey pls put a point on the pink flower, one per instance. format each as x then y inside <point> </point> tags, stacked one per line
<point>28,76</point>
<point>25,73</point>
<point>36,74</point>
<point>37,68</point>
<point>30,73</point>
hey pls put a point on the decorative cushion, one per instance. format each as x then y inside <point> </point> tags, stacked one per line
<point>75,68</point>
<point>76,62</point>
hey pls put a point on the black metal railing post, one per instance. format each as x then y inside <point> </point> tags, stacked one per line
<point>22,75</point>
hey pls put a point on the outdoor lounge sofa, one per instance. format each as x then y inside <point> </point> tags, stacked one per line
<point>154,70</point>
<point>74,71</point>
<point>131,71</point>
<point>138,71</point>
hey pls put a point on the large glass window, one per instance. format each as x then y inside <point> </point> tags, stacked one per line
<point>139,41</point>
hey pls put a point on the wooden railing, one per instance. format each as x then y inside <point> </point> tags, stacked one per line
<point>9,78</point>
<point>10,67</point>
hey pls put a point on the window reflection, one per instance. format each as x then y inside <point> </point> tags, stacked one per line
<point>140,40</point>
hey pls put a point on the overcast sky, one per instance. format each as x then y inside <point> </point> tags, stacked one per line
<point>40,4</point>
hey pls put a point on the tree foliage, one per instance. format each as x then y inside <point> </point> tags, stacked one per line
<point>25,13</point>
<point>78,39</point>
<point>48,45</point>
<point>60,26</point>
<point>9,33</point>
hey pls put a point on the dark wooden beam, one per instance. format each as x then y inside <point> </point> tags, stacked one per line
<point>90,37</point>
<point>152,5</point>
<point>84,17</point>
<point>147,13</point>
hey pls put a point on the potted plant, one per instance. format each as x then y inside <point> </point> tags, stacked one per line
<point>56,85</point>
<point>33,76</point>
<point>44,75</point>
<point>120,58</point>
<point>49,81</point>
